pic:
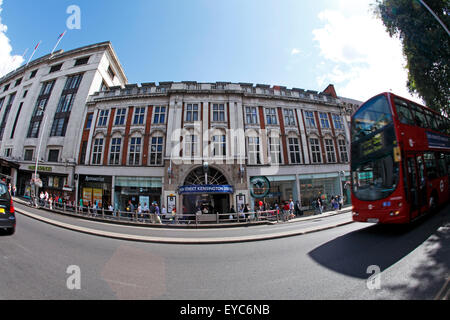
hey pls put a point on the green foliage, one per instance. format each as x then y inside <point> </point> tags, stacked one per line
<point>426,46</point>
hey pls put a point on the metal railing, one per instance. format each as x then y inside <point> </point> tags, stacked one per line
<point>147,218</point>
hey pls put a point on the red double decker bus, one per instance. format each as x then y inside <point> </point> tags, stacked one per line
<point>400,160</point>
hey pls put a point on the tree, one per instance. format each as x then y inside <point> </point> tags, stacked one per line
<point>426,46</point>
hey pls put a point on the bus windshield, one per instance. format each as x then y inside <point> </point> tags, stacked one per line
<point>375,179</point>
<point>375,170</point>
<point>372,116</point>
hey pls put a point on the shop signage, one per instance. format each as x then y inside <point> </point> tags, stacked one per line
<point>205,189</point>
<point>41,168</point>
<point>259,187</point>
<point>94,179</point>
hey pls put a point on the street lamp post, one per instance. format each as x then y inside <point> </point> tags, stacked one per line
<point>38,153</point>
<point>435,16</point>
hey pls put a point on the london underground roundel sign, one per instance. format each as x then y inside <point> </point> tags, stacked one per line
<point>259,187</point>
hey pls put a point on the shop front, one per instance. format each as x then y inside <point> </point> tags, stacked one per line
<point>95,189</point>
<point>53,182</point>
<point>138,190</point>
<point>325,186</point>
<point>273,190</point>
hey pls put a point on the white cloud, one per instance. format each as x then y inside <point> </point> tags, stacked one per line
<point>295,51</point>
<point>365,60</point>
<point>8,62</point>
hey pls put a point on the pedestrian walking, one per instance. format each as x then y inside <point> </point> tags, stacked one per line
<point>157,213</point>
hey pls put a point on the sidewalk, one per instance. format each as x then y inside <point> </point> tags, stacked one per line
<point>148,234</point>
<point>99,218</point>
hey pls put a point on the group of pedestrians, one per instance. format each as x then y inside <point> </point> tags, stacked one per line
<point>153,212</point>
<point>12,190</point>
<point>336,203</point>
<point>50,200</point>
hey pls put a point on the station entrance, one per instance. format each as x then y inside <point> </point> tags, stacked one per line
<point>208,192</point>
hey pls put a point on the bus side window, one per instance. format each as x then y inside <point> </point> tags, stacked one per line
<point>419,117</point>
<point>447,156</point>
<point>442,166</point>
<point>432,119</point>
<point>404,115</point>
<point>430,164</point>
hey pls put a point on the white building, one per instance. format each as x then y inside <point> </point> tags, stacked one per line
<point>46,100</point>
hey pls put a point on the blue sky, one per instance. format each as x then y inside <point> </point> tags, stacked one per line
<point>294,43</point>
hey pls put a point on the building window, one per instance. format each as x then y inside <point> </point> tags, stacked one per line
<point>253,151</point>
<point>219,112</point>
<point>219,146</point>
<point>191,112</point>
<point>104,87</point>
<point>97,151</point>
<point>15,121</point>
<point>343,150</point>
<point>275,150</point>
<point>114,156</point>
<point>8,152</point>
<point>28,155</point>
<point>139,114</point>
<point>25,94</point>
<point>73,82</point>
<point>191,145</point>
<point>329,147</point>
<point>315,150</point>
<point>53,155</point>
<point>41,104</point>
<point>120,117</point>
<point>59,127</point>
<point>18,82</point>
<point>251,115</point>
<point>160,115</point>
<point>289,117</point>
<point>6,114</point>
<point>134,155</point>
<point>337,121</point>
<point>103,118</point>
<point>89,120</point>
<point>2,100</point>
<point>65,103</point>
<point>111,73</point>
<point>324,123</point>
<point>81,61</point>
<point>33,74</point>
<point>309,118</point>
<point>33,130</point>
<point>83,152</point>
<point>271,116</point>
<point>156,151</point>
<point>47,88</point>
<point>294,151</point>
<point>55,68</point>
<point>6,87</point>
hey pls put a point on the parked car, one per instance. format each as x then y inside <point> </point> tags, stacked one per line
<point>7,216</point>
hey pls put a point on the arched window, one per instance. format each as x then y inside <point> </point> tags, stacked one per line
<point>343,149</point>
<point>134,151</point>
<point>253,147</point>
<point>330,151</point>
<point>274,147</point>
<point>97,150</point>
<point>316,152</point>
<point>156,149</point>
<point>116,147</point>
<point>294,149</point>
<point>191,144</point>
